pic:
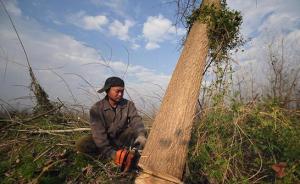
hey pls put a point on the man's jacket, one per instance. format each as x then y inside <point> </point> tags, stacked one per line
<point>107,123</point>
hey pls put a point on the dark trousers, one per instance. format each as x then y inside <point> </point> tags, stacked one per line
<point>87,145</point>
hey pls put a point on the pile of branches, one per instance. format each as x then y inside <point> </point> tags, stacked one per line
<point>37,149</point>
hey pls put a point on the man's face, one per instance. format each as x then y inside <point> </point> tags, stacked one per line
<point>116,93</point>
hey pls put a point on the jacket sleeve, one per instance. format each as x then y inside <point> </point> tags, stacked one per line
<point>135,120</point>
<point>99,132</point>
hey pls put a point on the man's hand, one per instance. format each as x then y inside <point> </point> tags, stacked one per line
<point>140,141</point>
<point>124,159</point>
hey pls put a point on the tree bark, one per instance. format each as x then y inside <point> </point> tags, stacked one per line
<point>164,156</point>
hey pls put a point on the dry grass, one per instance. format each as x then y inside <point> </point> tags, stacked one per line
<point>29,153</point>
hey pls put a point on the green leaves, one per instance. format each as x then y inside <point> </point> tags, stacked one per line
<point>223,29</point>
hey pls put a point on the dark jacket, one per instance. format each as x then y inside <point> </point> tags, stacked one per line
<point>107,124</point>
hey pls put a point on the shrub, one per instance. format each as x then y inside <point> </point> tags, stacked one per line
<point>241,143</point>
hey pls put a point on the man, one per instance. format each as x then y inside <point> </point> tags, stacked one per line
<point>115,125</point>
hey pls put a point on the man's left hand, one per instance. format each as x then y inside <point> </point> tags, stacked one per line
<point>140,141</point>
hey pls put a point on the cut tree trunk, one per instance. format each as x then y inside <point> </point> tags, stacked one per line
<point>163,159</point>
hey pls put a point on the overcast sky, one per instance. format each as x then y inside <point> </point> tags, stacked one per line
<point>94,39</point>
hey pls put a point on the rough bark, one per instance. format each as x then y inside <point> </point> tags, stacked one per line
<point>164,156</point>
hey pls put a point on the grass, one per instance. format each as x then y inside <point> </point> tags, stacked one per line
<point>241,143</point>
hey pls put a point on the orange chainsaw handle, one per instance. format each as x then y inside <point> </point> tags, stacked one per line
<point>120,157</point>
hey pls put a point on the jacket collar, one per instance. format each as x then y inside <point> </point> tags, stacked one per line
<point>106,106</point>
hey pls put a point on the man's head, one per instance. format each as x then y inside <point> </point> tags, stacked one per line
<point>114,88</point>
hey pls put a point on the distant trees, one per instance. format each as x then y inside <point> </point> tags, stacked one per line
<point>274,78</point>
<point>283,76</point>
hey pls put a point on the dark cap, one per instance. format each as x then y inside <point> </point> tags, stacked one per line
<point>111,82</point>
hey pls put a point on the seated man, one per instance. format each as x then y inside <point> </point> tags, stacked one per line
<point>115,125</point>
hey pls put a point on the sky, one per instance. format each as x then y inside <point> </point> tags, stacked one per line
<point>73,46</point>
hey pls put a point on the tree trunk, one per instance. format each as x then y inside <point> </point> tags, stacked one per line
<point>164,156</point>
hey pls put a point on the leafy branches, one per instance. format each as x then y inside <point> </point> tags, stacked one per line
<point>223,31</point>
<point>223,28</point>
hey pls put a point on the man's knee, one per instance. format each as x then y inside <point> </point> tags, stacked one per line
<point>87,145</point>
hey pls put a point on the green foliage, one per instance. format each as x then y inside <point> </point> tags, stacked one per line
<point>4,166</point>
<point>241,143</point>
<point>223,28</point>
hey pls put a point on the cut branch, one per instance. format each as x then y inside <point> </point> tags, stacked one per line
<point>55,131</point>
